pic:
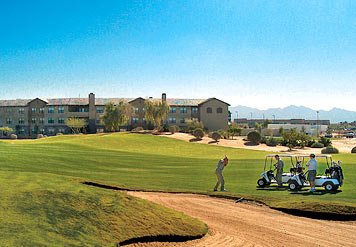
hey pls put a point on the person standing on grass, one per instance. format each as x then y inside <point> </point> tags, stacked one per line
<point>221,165</point>
<point>312,164</point>
<point>279,167</point>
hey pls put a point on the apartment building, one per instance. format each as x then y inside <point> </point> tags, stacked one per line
<point>48,116</point>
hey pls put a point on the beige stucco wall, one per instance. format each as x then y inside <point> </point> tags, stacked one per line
<point>214,120</point>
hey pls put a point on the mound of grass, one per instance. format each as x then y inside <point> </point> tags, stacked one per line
<point>47,210</point>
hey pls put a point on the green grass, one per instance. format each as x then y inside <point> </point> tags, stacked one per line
<point>40,172</point>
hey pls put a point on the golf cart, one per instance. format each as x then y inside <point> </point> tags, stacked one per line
<point>268,177</point>
<point>332,179</point>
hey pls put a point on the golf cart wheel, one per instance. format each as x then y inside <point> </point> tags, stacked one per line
<point>329,186</point>
<point>293,185</point>
<point>261,182</point>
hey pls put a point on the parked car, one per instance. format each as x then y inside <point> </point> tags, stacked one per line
<point>328,135</point>
<point>350,135</point>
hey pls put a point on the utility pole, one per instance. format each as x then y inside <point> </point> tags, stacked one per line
<point>317,123</point>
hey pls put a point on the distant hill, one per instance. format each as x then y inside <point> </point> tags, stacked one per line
<point>335,115</point>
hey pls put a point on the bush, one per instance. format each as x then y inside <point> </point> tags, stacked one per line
<point>310,143</point>
<point>39,136</point>
<point>223,134</point>
<point>59,134</point>
<point>330,150</point>
<point>137,129</point>
<point>254,136</point>
<point>198,133</point>
<point>264,140</point>
<point>353,150</point>
<point>317,145</point>
<point>325,141</point>
<point>173,129</point>
<point>272,142</point>
<point>13,136</point>
<point>193,125</point>
<point>216,136</point>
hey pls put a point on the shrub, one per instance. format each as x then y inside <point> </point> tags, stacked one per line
<point>13,136</point>
<point>330,150</point>
<point>254,136</point>
<point>59,134</point>
<point>198,133</point>
<point>353,150</point>
<point>310,142</point>
<point>264,140</point>
<point>193,125</point>
<point>317,145</point>
<point>272,142</point>
<point>39,136</point>
<point>325,141</point>
<point>216,136</point>
<point>223,134</point>
<point>173,129</point>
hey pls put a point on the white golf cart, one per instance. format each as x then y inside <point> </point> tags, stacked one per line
<point>332,179</point>
<point>268,177</point>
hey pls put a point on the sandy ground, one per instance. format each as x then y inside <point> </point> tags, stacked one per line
<point>247,224</point>
<point>344,145</point>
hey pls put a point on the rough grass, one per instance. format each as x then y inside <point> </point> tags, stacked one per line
<point>148,162</point>
<point>39,209</point>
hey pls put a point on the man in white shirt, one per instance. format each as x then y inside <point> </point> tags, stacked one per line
<point>312,165</point>
<point>221,165</point>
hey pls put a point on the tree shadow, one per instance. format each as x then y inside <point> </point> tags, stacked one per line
<point>195,140</point>
<point>249,143</point>
<point>211,142</point>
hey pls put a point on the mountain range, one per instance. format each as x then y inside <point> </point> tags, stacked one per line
<point>335,115</point>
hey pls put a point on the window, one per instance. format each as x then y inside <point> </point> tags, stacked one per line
<point>172,120</point>
<point>50,120</point>
<point>135,120</point>
<point>82,109</point>
<point>195,119</point>
<point>41,110</point>
<point>183,110</point>
<point>21,121</point>
<point>98,120</point>
<point>21,110</point>
<point>182,120</point>
<point>143,119</point>
<point>100,110</point>
<point>61,120</point>
<point>42,131</point>
<point>34,110</point>
<point>8,110</point>
<point>34,131</point>
<point>209,110</point>
<point>22,131</point>
<point>136,110</point>
<point>194,110</point>
<point>33,120</point>
<point>143,109</point>
<point>219,110</point>
<point>60,109</point>
<point>61,130</point>
<point>172,110</point>
<point>50,109</point>
<point>41,120</point>
<point>51,131</point>
<point>8,120</point>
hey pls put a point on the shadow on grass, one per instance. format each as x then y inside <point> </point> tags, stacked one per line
<point>306,192</point>
<point>273,188</point>
<point>211,142</point>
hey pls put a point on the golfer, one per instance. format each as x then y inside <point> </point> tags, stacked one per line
<point>221,165</point>
<point>312,171</point>
<point>279,167</point>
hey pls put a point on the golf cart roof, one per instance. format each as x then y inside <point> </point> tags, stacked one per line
<point>317,156</point>
<point>281,155</point>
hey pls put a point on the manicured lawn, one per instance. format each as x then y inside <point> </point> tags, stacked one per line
<point>148,162</point>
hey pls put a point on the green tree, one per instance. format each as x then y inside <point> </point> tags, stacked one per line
<point>281,130</point>
<point>266,122</point>
<point>234,130</point>
<point>116,115</point>
<point>258,127</point>
<point>303,139</point>
<point>76,124</point>
<point>156,112</point>
<point>6,130</point>
<point>193,124</point>
<point>291,138</point>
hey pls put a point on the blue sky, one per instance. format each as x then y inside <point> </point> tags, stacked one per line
<point>255,53</point>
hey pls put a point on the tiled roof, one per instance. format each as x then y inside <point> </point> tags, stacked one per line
<point>98,101</point>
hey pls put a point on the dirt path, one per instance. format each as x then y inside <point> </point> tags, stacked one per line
<point>246,224</point>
